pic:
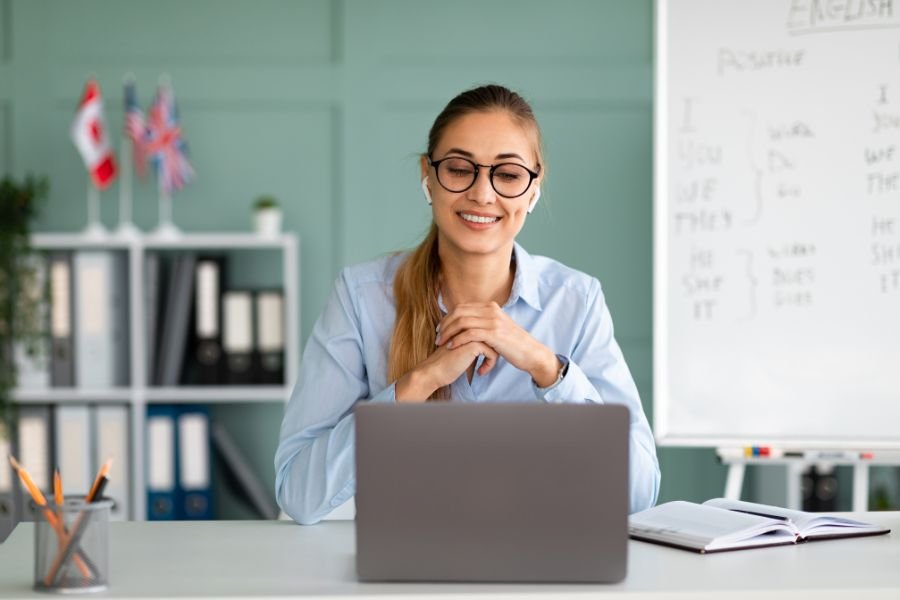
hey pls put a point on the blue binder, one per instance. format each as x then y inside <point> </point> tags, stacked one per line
<point>195,497</point>
<point>162,466</point>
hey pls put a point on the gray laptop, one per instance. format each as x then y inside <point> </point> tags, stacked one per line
<point>491,492</point>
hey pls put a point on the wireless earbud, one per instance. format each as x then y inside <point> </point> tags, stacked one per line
<point>537,195</point>
<point>425,190</point>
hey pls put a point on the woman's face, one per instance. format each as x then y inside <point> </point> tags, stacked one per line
<point>486,138</point>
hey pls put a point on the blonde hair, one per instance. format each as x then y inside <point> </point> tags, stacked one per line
<point>417,282</point>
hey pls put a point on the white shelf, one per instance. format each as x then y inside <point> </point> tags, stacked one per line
<point>187,241</point>
<point>72,395</point>
<point>137,396</point>
<point>221,393</point>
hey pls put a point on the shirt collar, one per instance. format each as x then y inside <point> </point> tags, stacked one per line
<point>525,282</point>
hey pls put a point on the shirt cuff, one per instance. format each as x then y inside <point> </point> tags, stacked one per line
<point>542,392</point>
<point>387,395</point>
<point>573,387</point>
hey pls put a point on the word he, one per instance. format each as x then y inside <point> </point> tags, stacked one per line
<point>792,250</point>
<point>698,154</point>
<point>882,226</point>
<point>702,221</point>
<point>757,60</point>
<point>807,14</point>
<point>794,130</point>
<point>697,190</point>
<point>882,183</point>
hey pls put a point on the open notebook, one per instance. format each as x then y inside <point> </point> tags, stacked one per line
<point>721,524</point>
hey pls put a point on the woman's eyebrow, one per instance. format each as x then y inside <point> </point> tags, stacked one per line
<point>468,154</point>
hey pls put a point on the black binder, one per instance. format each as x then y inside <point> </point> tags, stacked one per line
<point>270,337</point>
<point>208,284</point>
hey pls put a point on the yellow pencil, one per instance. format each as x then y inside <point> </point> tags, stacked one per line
<point>57,488</point>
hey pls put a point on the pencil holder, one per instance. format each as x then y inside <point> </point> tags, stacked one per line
<point>71,546</point>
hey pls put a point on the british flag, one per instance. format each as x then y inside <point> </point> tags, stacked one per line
<point>135,128</point>
<point>165,146</point>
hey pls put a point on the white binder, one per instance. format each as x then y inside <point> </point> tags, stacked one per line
<point>74,455</point>
<point>111,429</point>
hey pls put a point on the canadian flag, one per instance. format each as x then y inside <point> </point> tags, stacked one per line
<point>89,134</point>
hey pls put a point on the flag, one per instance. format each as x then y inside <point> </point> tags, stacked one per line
<point>89,134</point>
<point>165,146</point>
<point>135,128</point>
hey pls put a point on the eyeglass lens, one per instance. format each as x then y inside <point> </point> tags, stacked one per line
<point>508,179</point>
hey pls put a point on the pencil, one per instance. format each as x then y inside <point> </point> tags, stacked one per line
<point>57,488</point>
<point>54,522</point>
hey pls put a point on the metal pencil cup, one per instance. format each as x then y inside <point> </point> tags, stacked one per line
<point>71,546</point>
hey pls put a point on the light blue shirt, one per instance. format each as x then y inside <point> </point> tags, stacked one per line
<point>345,362</point>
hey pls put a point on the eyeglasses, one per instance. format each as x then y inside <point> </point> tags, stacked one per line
<point>457,174</point>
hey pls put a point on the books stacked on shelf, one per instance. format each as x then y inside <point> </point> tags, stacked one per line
<point>720,524</point>
<point>77,439</point>
<point>209,334</point>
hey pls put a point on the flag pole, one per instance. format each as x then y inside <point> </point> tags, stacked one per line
<point>166,228</point>
<point>126,186</point>
<point>94,228</point>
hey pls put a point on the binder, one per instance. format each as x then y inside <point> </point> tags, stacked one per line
<point>248,483</point>
<point>152,281</point>
<point>175,320</point>
<point>74,454</point>
<point>270,337</point>
<point>32,361</point>
<point>237,341</point>
<point>62,357</point>
<point>207,328</point>
<point>111,428</point>
<point>35,448</point>
<point>162,448</point>
<point>7,479</point>
<point>194,470</point>
<point>101,332</point>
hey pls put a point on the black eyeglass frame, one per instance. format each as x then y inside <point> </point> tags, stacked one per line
<point>478,167</point>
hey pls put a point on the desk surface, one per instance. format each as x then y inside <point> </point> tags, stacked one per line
<point>239,559</point>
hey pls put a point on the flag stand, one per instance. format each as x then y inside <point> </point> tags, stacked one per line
<point>126,228</point>
<point>94,228</point>
<point>166,229</point>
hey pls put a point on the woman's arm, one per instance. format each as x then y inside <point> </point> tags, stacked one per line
<point>597,373</point>
<point>314,463</point>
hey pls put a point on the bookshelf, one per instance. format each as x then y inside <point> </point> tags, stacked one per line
<point>137,395</point>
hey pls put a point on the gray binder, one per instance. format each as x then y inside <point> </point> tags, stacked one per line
<point>175,320</point>
<point>62,357</point>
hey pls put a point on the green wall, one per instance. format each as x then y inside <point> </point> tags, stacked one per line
<point>326,105</point>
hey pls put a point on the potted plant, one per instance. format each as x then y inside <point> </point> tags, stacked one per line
<point>267,216</point>
<point>20,312</point>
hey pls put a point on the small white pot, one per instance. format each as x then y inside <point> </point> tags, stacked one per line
<point>267,222</point>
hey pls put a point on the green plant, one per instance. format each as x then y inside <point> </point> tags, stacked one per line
<point>20,309</point>
<point>264,202</point>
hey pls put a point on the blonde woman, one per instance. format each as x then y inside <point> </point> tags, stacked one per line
<point>467,316</point>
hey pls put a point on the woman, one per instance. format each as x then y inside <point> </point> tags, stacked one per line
<point>467,316</point>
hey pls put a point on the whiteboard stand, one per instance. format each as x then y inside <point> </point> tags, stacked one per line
<point>860,461</point>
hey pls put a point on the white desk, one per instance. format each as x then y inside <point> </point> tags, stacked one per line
<point>242,559</point>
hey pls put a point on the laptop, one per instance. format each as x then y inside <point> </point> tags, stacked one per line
<point>514,492</point>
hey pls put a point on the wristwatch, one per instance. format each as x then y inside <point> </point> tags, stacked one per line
<point>562,373</point>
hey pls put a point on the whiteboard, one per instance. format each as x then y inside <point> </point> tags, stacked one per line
<point>777,223</point>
